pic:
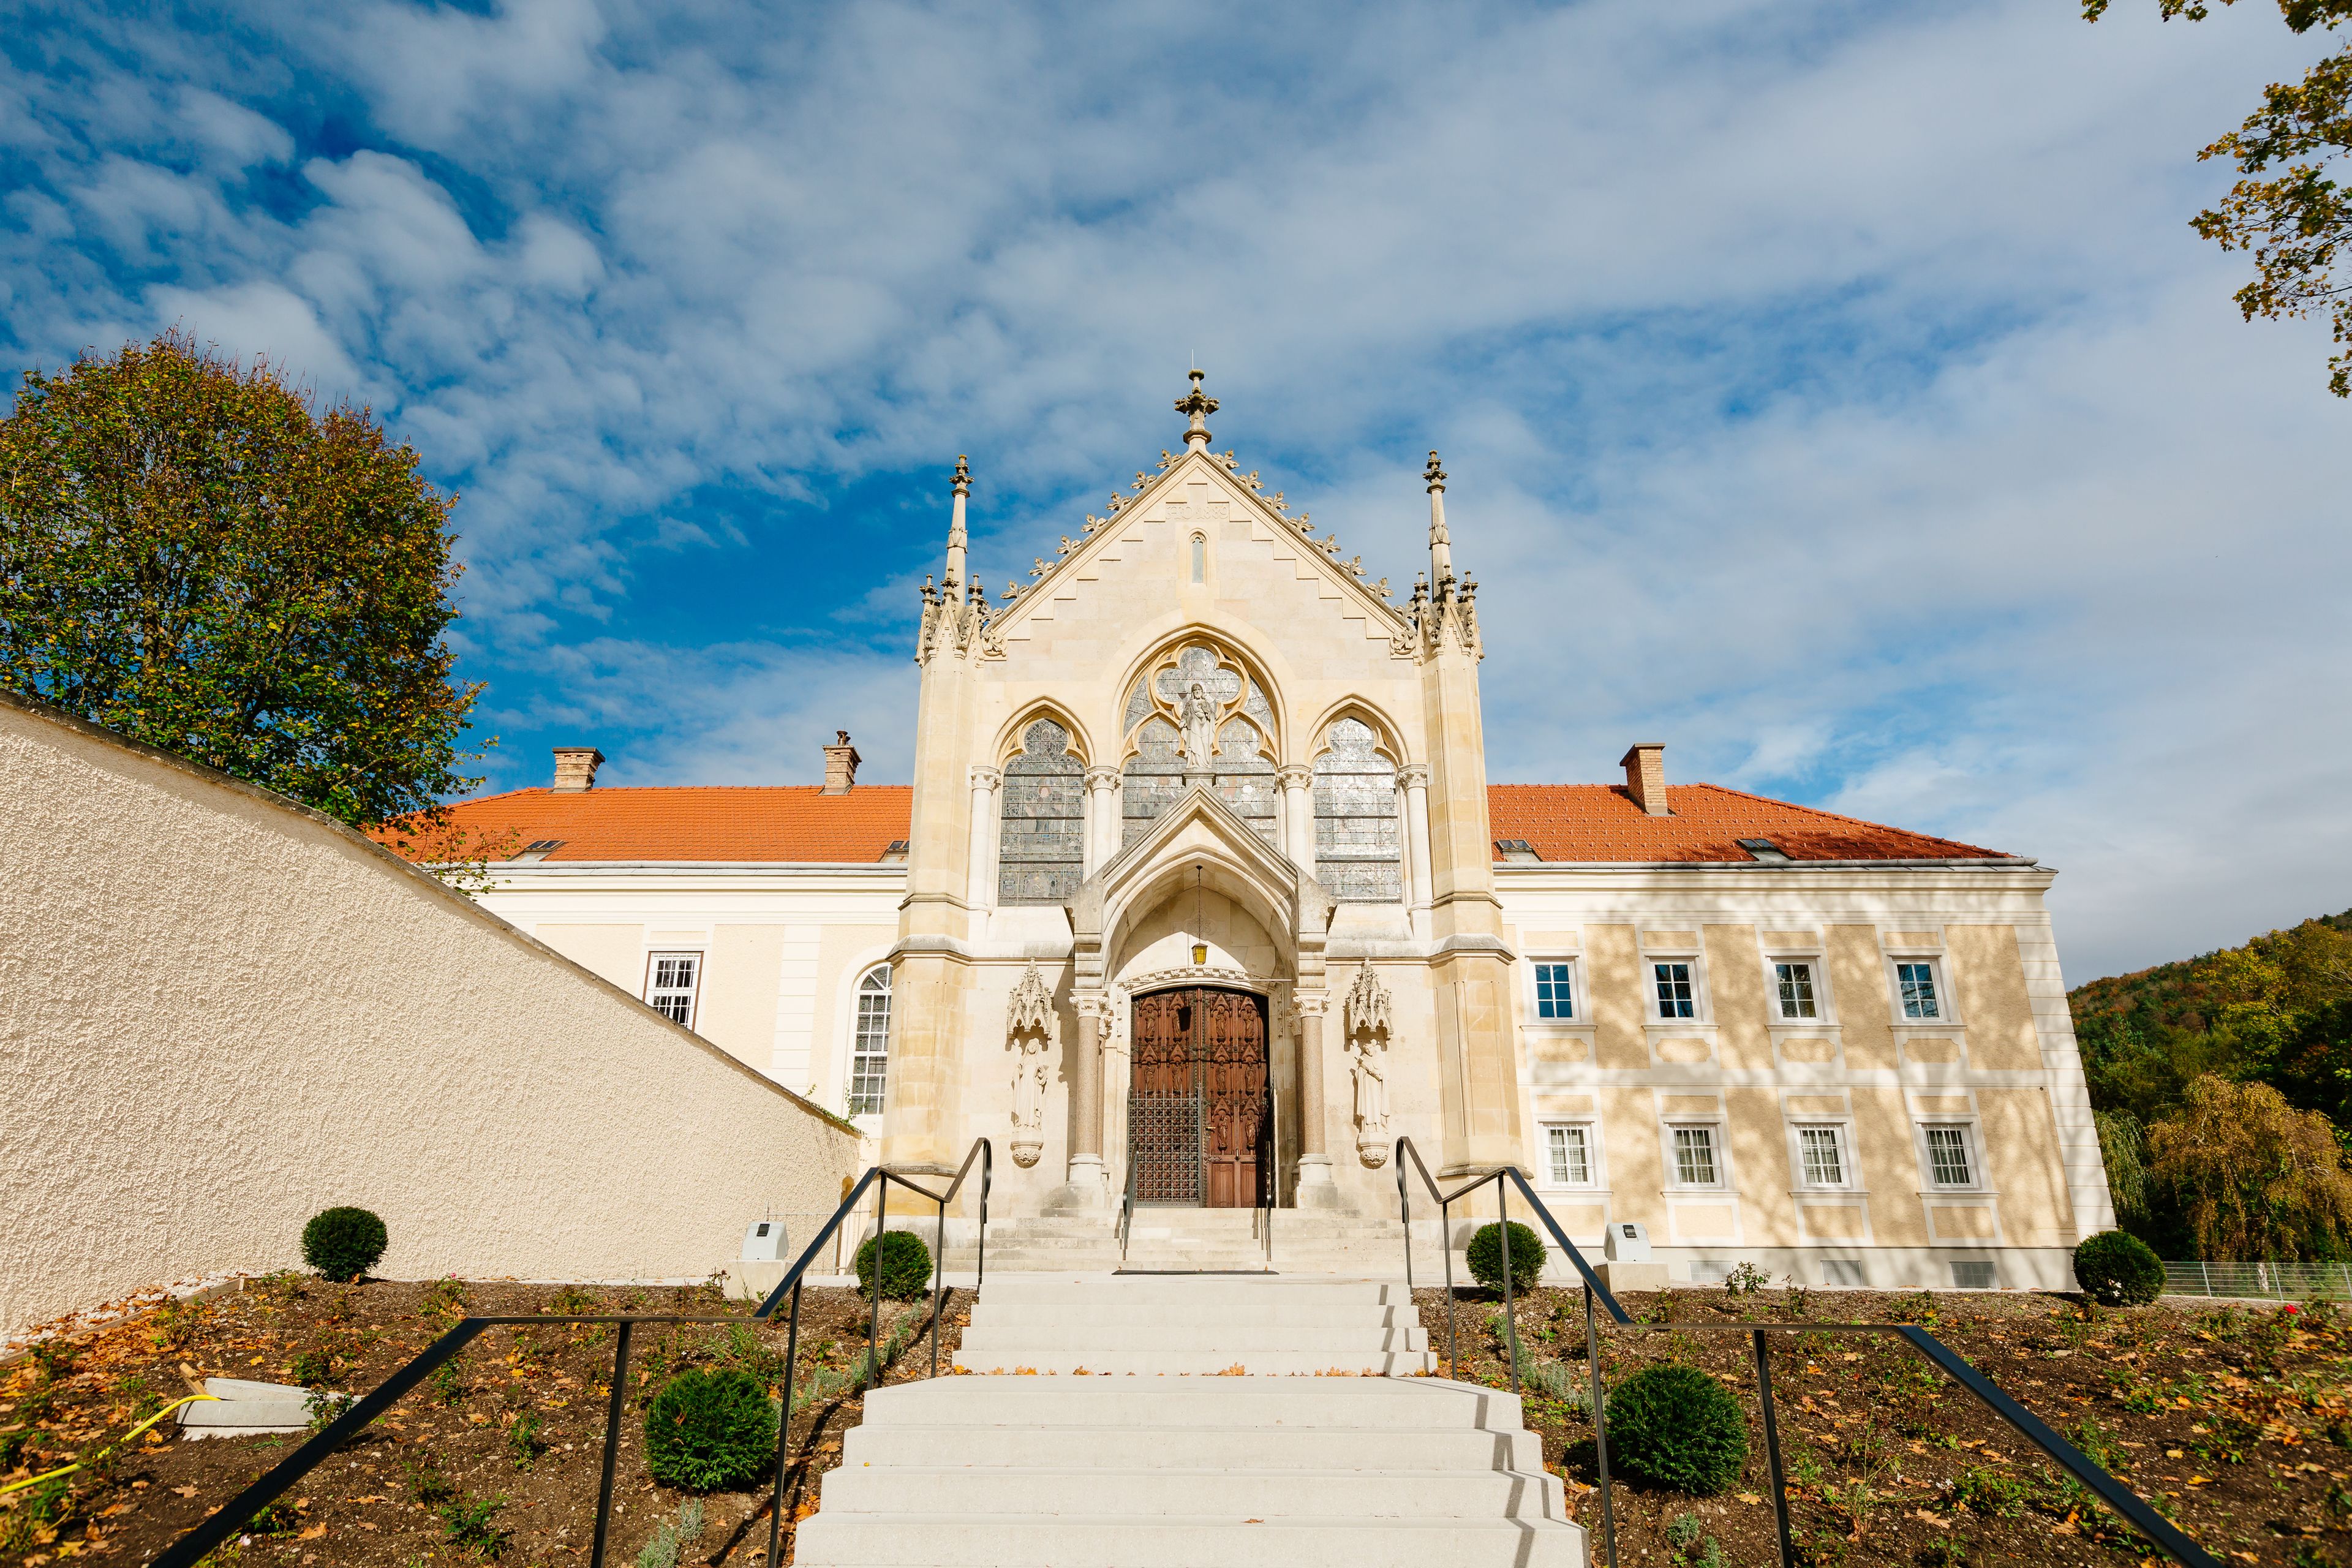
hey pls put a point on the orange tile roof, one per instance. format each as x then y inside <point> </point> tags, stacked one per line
<point>1601,822</point>
<point>694,822</point>
<point>797,823</point>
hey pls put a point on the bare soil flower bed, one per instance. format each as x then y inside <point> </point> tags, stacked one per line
<point>2233,1420</point>
<point>497,1457</point>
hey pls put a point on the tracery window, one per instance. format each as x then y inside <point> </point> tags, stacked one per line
<point>869,1050</point>
<point>1198,718</point>
<point>1042,820</point>
<point>1358,851</point>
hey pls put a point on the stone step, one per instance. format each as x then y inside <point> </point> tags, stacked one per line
<point>1339,1317</point>
<point>1333,1361</point>
<point>982,1447</point>
<point>1208,1289</point>
<point>1223,1486</point>
<point>1417,1403</point>
<point>1190,1333</point>
<point>1222,1540</point>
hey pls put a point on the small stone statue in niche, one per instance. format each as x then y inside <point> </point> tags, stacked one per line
<point>1032,1028</point>
<point>1365,1021</point>
<point>1199,728</point>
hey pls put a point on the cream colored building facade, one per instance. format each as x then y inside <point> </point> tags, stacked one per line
<point>1201,756</point>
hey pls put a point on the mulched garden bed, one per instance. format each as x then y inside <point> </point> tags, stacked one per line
<point>2235,1420</point>
<point>498,1455</point>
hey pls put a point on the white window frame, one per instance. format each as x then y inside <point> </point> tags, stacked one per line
<point>1940,976</point>
<point>1816,981</point>
<point>1841,1128</point>
<point>1972,1141</point>
<point>1700,1012</point>
<point>857,992</point>
<point>1576,1018</point>
<point>656,995</point>
<point>1715,1128</point>
<point>1594,1181</point>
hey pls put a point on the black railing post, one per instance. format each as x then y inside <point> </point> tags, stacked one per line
<point>784,1433</point>
<point>1773,1449</point>
<point>611,1440</point>
<point>939,1286</point>
<point>874,1322</point>
<point>1404,1215</point>
<point>987,1173</point>
<point>1600,1434</point>
<point>1510,1314</point>
<point>1445,1244</point>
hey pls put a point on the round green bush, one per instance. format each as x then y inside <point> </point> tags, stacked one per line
<point>1487,1256</point>
<point>2116,1268</point>
<point>1674,1425</point>
<point>705,1430</point>
<point>343,1244</point>
<point>905,1266</point>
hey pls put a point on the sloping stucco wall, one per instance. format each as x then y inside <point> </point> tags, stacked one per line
<point>221,1013</point>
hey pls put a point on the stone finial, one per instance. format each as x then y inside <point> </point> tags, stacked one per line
<point>841,760</point>
<point>955,564</point>
<point>1196,406</point>
<point>1440,543</point>
<point>575,768</point>
<point>962,476</point>
<point>1434,475</point>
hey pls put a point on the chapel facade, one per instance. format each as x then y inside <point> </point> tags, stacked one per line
<point>1201,894</point>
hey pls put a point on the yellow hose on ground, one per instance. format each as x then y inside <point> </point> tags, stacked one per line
<point>69,1470</point>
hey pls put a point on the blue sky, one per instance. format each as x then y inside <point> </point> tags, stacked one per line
<point>1833,392</point>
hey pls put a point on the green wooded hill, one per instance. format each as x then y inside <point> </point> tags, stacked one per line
<point>2184,1056</point>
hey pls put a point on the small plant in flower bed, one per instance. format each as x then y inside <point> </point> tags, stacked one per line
<point>708,1430</point>
<point>1486,1257</point>
<point>905,1266</point>
<point>1676,1426</point>
<point>344,1243</point>
<point>2116,1268</point>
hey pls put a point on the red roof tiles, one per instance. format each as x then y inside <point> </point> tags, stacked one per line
<point>797,823</point>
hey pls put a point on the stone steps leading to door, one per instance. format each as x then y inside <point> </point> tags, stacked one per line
<point>1191,1471</point>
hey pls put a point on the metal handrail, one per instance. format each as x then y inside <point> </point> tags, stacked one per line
<point>1126,1205</point>
<point>2110,1490</point>
<point>191,1548</point>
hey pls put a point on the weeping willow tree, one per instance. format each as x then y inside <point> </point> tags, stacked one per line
<point>2251,1176</point>
<point>2123,1145</point>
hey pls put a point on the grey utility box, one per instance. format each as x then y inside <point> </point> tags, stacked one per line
<point>1629,1241</point>
<point>764,1242</point>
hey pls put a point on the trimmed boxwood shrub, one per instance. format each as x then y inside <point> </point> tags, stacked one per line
<point>1676,1426</point>
<point>905,1266</point>
<point>344,1243</point>
<point>705,1430</point>
<point>2116,1268</point>
<point>1487,1256</point>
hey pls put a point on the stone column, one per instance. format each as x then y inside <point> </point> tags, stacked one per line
<point>1087,1187</point>
<point>1297,781</point>
<point>979,885</point>
<point>1415,780</point>
<point>1316,1188</point>
<point>1102,819</point>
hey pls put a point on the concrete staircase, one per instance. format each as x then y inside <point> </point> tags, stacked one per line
<point>1261,1470</point>
<point>1191,1240</point>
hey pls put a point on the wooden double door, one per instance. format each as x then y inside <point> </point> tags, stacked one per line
<point>1199,1111</point>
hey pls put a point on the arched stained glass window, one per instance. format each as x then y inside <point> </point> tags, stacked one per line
<point>869,1047</point>
<point>1359,855</point>
<point>1044,820</point>
<point>1198,718</point>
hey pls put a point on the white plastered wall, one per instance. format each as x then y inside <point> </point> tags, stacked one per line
<point>223,1013</point>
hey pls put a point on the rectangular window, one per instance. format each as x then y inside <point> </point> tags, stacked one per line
<point>1824,1161</point>
<point>1948,1157</point>
<point>1695,1156</point>
<point>1705,1271</point>
<point>1674,990</point>
<point>1919,984</point>
<point>1968,1277</point>
<point>1839,1274</point>
<point>670,980</point>
<point>1796,982</point>
<point>1555,995</point>
<point>1568,1155</point>
<point>869,1055</point>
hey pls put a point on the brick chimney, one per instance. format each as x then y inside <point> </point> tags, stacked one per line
<point>1645,776</point>
<point>575,768</point>
<point>840,765</point>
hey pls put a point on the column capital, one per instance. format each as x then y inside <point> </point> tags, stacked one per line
<point>1102,776</point>
<point>1414,775</point>
<point>1311,1003</point>
<point>1295,775</point>
<point>986,777</point>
